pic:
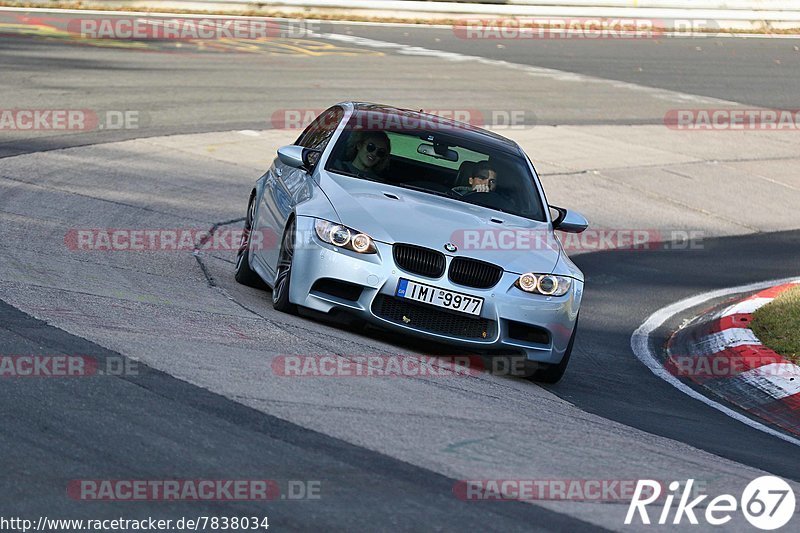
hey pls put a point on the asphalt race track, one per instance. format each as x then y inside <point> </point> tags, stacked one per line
<point>204,402</point>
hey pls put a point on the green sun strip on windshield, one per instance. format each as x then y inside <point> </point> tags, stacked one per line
<point>406,146</point>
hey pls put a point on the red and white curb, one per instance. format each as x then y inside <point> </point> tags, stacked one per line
<point>721,354</point>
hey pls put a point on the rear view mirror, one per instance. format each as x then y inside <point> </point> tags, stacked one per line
<point>569,221</point>
<point>430,150</point>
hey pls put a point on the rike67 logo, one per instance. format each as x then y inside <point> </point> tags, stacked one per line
<point>768,503</point>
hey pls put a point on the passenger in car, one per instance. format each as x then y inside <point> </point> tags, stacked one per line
<point>483,179</point>
<point>367,154</point>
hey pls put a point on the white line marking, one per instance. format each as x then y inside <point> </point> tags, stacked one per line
<point>558,75</point>
<point>746,307</point>
<point>640,344</point>
<point>553,74</point>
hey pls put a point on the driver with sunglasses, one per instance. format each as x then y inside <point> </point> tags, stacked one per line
<point>371,154</point>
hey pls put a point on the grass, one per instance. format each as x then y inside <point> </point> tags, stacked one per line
<point>777,324</point>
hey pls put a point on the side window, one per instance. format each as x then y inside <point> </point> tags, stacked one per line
<point>319,133</point>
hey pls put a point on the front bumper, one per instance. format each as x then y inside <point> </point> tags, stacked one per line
<point>537,326</point>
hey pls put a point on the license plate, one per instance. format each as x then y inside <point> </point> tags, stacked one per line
<point>455,301</point>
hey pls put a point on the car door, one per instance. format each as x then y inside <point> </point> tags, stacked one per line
<point>288,186</point>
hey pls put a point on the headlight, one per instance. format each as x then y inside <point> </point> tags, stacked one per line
<point>361,243</point>
<point>545,284</point>
<point>344,237</point>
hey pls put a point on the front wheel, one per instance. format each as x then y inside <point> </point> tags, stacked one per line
<point>554,373</point>
<point>244,274</point>
<point>283,274</point>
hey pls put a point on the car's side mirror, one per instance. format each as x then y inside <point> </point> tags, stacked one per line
<point>569,221</point>
<point>299,157</point>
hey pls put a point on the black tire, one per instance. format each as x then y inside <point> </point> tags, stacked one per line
<point>553,373</point>
<point>283,272</point>
<point>244,274</point>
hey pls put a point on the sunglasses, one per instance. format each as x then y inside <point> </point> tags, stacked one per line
<point>381,152</point>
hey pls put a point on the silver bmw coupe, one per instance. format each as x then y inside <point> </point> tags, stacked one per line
<point>419,224</point>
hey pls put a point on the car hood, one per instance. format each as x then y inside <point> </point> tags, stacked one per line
<point>393,214</point>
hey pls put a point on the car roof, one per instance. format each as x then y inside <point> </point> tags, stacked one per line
<point>461,129</point>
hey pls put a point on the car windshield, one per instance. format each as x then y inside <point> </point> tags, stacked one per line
<point>436,160</point>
